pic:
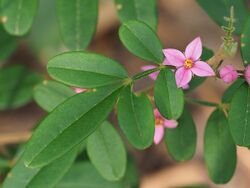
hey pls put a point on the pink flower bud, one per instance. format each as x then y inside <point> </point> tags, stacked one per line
<point>228,74</point>
<point>79,90</point>
<point>247,74</point>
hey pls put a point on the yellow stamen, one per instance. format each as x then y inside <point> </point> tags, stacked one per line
<point>188,64</point>
<point>158,121</point>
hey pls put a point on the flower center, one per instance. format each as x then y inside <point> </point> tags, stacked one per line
<point>158,121</point>
<point>188,63</point>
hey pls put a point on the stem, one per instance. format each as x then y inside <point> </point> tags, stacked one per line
<point>201,102</point>
<point>144,73</point>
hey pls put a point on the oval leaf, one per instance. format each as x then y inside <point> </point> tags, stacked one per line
<point>229,93</point>
<point>85,70</point>
<point>218,9</point>
<point>17,91</point>
<point>50,94</point>
<point>239,115</point>
<point>141,41</point>
<point>69,124</point>
<point>219,148</point>
<point>245,43</point>
<point>77,21</point>
<point>84,175</point>
<point>23,177</point>
<point>168,98</point>
<point>19,15</point>
<point>142,10</point>
<point>107,152</point>
<point>136,118</point>
<point>181,141</point>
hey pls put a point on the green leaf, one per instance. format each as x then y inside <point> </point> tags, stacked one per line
<point>19,15</point>
<point>218,9</point>
<point>107,152</point>
<point>142,10</point>
<point>168,98</point>
<point>50,94</point>
<point>69,124</point>
<point>239,115</point>
<point>136,118</point>
<point>206,54</point>
<point>219,149</point>
<point>181,141</point>
<point>245,43</point>
<point>23,177</point>
<point>77,21</point>
<point>229,93</point>
<point>16,86</point>
<point>7,44</point>
<point>84,175</point>
<point>197,81</point>
<point>85,70</point>
<point>141,41</point>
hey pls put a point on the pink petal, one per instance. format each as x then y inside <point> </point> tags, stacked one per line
<point>183,77</point>
<point>153,75</point>
<point>228,74</point>
<point>166,62</point>
<point>79,90</point>
<point>228,78</point>
<point>174,57</point>
<point>157,113</point>
<point>247,74</point>
<point>202,69</point>
<point>194,49</point>
<point>170,123</point>
<point>148,67</point>
<point>159,133</point>
<point>185,87</point>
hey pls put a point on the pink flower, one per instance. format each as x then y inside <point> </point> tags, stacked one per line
<point>228,74</point>
<point>188,63</point>
<point>160,124</point>
<point>247,74</point>
<point>79,90</point>
<point>154,75</point>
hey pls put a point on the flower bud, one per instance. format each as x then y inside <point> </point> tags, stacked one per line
<point>247,74</point>
<point>79,90</point>
<point>228,74</point>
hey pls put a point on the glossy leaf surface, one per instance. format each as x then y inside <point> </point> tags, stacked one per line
<point>181,141</point>
<point>239,115</point>
<point>23,177</point>
<point>143,10</point>
<point>107,152</point>
<point>141,41</point>
<point>84,175</point>
<point>219,148</point>
<point>245,43</point>
<point>136,118</point>
<point>77,21</point>
<point>19,15</point>
<point>50,94</point>
<point>69,124</point>
<point>85,70</point>
<point>168,98</point>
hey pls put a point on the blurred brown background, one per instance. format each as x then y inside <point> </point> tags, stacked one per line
<point>179,22</point>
